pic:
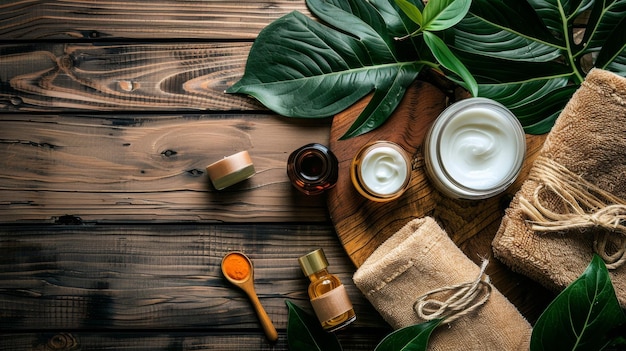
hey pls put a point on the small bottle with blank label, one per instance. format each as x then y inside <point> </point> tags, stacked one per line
<point>329,298</point>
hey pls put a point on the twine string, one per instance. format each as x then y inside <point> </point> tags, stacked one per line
<point>464,298</point>
<point>576,203</point>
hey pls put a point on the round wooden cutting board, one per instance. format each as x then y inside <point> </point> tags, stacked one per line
<point>362,225</point>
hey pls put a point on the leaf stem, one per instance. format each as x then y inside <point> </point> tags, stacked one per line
<point>410,35</point>
<point>568,45</point>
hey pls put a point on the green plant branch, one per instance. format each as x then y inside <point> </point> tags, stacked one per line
<point>568,45</point>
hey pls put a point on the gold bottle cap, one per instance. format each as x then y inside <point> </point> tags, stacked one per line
<point>313,262</point>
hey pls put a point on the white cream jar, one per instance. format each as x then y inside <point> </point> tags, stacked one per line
<point>381,171</point>
<point>475,149</point>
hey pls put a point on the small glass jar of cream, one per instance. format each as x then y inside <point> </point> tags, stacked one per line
<point>381,171</point>
<point>474,149</point>
<point>313,169</point>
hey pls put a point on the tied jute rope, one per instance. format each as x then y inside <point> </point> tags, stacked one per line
<point>582,205</point>
<point>464,298</point>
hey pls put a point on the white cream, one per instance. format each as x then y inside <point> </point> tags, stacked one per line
<point>384,170</point>
<point>475,149</point>
<point>381,171</point>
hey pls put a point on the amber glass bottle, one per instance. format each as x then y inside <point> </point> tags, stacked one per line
<point>313,169</point>
<point>328,295</point>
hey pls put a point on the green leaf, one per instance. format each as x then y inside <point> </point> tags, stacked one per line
<point>475,35</point>
<point>603,20</point>
<point>305,333</point>
<point>536,104</point>
<point>411,11</point>
<point>399,25</point>
<point>382,104</point>
<point>522,18</point>
<point>617,44</point>
<point>358,19</point>
<point>300,68</point>
<point>438,15</point>
<point>447,59</point>
<point>443,14</point>
<point>581,317</point>
<point>411,338</point>
<point>396,19</point>
<point>517,45</point>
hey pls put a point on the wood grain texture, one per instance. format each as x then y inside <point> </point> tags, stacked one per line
<point>132,168</point>
<point>158,277</point>
<point>96,266</point>
<point>362,225</point>
<point>356,340</point>
<point>110,233</point>
<point>122,77</point>
<point>139,19</point>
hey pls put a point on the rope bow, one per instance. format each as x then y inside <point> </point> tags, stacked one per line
<point>464,298</point>
<point>582,205</point>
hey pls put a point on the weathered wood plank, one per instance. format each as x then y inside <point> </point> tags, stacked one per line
<point>158,277</point>
<point>139,19</point>
<point>356,340</point>
<point>122,77</point>
<point>130,168</point>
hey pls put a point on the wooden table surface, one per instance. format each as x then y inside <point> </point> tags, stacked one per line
<point>110,232</point>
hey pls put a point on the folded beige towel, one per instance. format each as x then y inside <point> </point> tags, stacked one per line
<point>573,203</point>
<point>420,258</point>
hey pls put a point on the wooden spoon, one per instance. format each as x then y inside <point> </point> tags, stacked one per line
<point>246,283</point>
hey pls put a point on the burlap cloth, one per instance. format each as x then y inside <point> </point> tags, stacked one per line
<point>589,141</point>
<point>420,258</point>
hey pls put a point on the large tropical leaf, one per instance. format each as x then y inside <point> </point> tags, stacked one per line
<point>300,68</point>
<point>529,47</point>
<point>582,316</point>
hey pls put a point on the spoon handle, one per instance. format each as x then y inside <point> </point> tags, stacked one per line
<point>266,322</point>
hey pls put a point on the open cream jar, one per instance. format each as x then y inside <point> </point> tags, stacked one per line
<point>475,149</point>
<point>381,171</point>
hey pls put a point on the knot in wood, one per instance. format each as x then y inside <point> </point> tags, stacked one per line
<point>65,62</point>
<point>127,85</point>
<point>169,153</point>
<point>62,342</point>
<point>16,101</point>
<point>195,172</point>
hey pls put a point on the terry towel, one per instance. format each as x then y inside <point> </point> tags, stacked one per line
<point>573,203</point>
<point>421,258</point>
